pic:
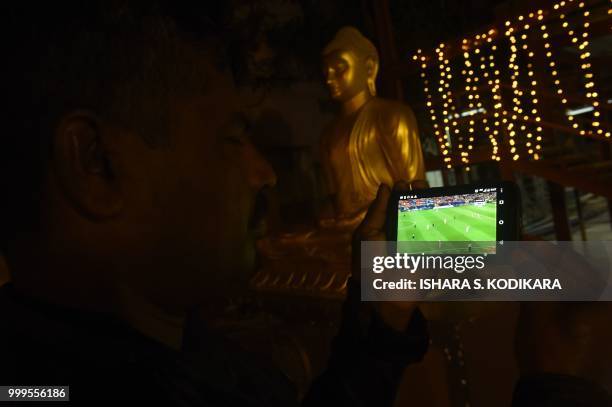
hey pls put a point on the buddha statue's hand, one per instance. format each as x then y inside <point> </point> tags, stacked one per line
<point>396,314</point>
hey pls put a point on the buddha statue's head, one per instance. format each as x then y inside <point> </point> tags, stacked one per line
<point>350,65</point>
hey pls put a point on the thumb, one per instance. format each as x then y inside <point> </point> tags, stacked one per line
<point>375,218</point>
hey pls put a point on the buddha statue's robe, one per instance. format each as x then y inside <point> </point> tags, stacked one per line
<point>378,143</point>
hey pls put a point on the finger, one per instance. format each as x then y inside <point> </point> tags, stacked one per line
<point>419,184</point>
<point>374,220</point>
<point>402,186</point>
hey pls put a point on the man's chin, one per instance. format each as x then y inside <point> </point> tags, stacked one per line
<point>244,268</point>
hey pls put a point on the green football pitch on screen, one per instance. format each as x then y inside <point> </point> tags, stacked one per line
<point>465,223</point>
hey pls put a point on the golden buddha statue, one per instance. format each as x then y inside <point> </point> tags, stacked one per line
<point>372,140</point>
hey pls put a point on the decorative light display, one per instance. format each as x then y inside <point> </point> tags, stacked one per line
<point>513,65</point>
<point>531,143</point>
<point>499,112</point>
<point>523,122</point>
<point>471,88</point>
<point>585,66</point>
<point>443,140</point>
<point>449,113</point>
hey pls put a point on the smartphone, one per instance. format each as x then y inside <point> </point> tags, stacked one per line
<point>472,218</point>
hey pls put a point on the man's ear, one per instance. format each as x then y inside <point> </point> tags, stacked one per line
<point>83,166</point>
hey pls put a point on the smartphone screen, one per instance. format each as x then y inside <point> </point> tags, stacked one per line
<point>461,219</point>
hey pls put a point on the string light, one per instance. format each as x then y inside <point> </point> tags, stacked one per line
<point>449,112</point>
<point>443,144</point>
<point>471,79</point>
<point>514,68</point>
<point>491,73</point>
<point>585,65</point>
<point>500,113</point>
<point>533,147</point>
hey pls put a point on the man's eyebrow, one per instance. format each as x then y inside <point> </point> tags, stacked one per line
<point>239,121</point>
<point>243,120</point>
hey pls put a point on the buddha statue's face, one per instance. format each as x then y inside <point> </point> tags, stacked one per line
<point>346,74</point>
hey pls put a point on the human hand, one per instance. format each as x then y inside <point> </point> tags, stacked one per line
<point>396,314</point>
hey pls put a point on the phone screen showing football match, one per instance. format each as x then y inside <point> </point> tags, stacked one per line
<point>461,223</point>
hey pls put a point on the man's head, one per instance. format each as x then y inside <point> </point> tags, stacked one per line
<point>125,153</point>
<point>350,65</point>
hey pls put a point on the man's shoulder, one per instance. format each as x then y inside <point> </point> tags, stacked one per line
<point>39,344</point>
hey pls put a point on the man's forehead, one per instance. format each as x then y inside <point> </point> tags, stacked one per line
<point>220,89</point>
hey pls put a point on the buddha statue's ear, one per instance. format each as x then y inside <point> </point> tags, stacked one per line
<point>372,70</point>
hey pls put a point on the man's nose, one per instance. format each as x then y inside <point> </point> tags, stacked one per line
<point>261,174</point>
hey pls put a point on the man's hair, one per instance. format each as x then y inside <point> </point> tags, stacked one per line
<point>122,60</point>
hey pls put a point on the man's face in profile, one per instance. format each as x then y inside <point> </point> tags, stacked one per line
<point>194,202</point>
